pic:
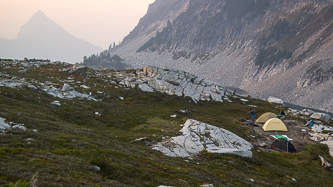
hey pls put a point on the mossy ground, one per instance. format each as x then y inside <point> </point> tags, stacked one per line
<point>71,138</point>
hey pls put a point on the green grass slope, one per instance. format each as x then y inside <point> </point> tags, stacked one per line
<point>70,139</point>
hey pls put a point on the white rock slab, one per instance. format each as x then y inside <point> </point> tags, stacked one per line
<point>85,87</point>
<point>3,125</point>
<point>146,88</point>
<point>207,185</point>
<point>56,102</point>
<point>321,116</point>
<point>197,136</point>
<point>175,82</point>
<point>66,87</point>
<point>19,126</point>
<point>275,100</point>
<point>6,126</point>
<point>320,128</point>
<point>330,146</point>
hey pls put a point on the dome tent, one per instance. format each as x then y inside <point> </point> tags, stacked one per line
<point>283,145</point>
<point>266,116</point>
<point>274,124</point>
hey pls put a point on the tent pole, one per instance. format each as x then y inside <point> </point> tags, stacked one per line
<point>287,145</point>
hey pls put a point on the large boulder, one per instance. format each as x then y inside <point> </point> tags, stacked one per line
<point>321,116</point>
<point>3,125</point>
<point>197,136</point>
<point>79,69</point>
<point>330,146</point>
<point>274,100</point>
<point>66,88</point>
<point>324,163</point>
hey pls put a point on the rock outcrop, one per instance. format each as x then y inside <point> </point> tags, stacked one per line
<point>176,82</point>
<point>321,116</point>
<point>221,41</point>
<point>198,136</point>
<point>274,100</point>
<point>4,126</point>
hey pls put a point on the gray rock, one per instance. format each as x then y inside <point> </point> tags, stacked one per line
<point>207,185</point>
<point>66,88</point>
<point>175,82</point>
<point>95,168</point>
<point>321,116</point>
<point>325,163</point>
<point>78,68</point>
<point>3,125</point>
<point>263,144</point>
<point>19,127</point>
<point>85,87</point>
<point>32,87</point>
<point>146,88</point>
<point>56,103</point>
<point>330,146</point>
<point>197,136</point>
<point>274,100</point>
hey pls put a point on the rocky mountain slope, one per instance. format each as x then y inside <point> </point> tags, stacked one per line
<point>42,38</point>
<point>279,48</point>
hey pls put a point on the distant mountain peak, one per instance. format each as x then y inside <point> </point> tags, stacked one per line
<point>38,17</point>
<point>41,37</point>
<point>39,25</point>
<point>39,13</point>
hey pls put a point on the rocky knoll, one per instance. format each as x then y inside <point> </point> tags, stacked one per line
<point>177,82</point>
<point>198,136</point>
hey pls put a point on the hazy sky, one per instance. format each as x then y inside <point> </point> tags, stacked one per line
<point>100,22</point>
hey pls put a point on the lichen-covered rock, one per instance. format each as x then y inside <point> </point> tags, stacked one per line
<point>197,136</point>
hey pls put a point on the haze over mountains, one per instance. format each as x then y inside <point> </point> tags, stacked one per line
<point>42,38</point>
<point>279,48</point>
